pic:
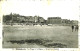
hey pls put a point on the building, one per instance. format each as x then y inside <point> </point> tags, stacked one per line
<point>39,20</point>
<point>54,20</point>
<point>35,19</point>
<point>29,19</point>
<point>74,22</point>
<point>21,19</point>
<point>66,22</point>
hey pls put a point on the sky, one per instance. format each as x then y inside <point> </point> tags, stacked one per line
<point>66,9</point>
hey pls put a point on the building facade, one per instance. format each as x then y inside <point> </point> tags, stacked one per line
<point>54,20</point>
<point>74,22</point>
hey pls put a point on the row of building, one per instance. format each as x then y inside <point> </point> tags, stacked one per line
<point>50,20</point>
<point>41,20</point>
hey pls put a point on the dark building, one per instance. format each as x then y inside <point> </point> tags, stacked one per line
<point>45,22</point>
<point>54,20</point>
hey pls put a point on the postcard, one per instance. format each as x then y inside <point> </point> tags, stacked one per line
<point>39,25</point>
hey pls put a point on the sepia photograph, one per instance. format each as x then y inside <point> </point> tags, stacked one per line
<point>40,24</point>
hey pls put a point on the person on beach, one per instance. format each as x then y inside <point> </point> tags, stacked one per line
<point>76,28</point>
<point>72,28</point>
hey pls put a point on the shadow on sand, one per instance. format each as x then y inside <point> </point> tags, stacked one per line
<point>43,42</point>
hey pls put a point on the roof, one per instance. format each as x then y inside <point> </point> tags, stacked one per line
<point>54,17</point>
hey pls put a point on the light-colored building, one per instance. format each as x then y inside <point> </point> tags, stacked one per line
<point>39,20</point>
<point>74,22</point>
